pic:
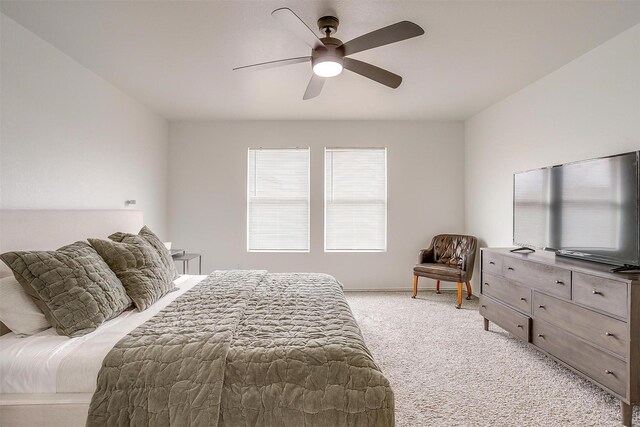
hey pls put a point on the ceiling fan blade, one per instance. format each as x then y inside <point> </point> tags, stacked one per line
<point>273,64</point>
<point>297,26</point>
<point>372,72</point>
<point>314,87</point>
<point>391,34</point>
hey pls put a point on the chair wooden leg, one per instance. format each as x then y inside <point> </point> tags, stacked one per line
<point>437,286</point>
<point>459,295</point>
<point>415,286</point>
<point>469,291</point>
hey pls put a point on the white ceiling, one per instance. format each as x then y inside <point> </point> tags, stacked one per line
<point>176,56</point>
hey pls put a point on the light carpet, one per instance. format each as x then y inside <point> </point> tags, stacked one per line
<point>445,370</point>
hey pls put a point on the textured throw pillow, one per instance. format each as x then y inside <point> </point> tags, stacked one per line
<point>139,266</point>
<point>18,311</point>
<point>73,286</point>
<point>150,236</point>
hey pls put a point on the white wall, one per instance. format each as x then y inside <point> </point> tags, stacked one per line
<point>69,139</point>
<point>207,193</point>
<point>586,109</point>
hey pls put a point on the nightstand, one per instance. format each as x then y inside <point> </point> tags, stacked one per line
<point>185,258</point>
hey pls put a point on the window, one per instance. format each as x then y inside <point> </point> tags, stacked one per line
<point>355,200</point>
<point>278,200</point>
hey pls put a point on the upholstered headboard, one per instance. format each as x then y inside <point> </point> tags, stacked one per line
<point>34,229</point>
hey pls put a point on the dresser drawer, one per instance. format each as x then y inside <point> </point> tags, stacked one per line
<point>492,262</point>
<point>605,295</point>
<point>606,369</point>
<point>546,278</point>
<point>515,323</point>
<point>604,331</point>
<point>508,292</point>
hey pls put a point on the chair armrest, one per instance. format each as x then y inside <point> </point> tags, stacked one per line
<point>468,261</point>
<point>426,256</point>
<point>463,264</point>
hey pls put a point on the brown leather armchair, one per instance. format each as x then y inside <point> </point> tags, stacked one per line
<point>450,258</point>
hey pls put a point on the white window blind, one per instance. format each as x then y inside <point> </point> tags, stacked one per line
<point>278,200</point>
<point>355,199</point>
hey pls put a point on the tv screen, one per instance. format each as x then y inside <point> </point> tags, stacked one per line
<point>586,209</point>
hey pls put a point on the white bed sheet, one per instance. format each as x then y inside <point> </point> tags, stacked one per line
<point>50,363</point>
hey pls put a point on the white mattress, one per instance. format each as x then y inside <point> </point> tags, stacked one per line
<point>50,363</point>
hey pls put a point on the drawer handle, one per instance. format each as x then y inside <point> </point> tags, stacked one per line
<point>542,307</point>
<point>519,326</point>
<point>492,263</point>
<point>609,334</point>
<point>540,336</point>
<point>486,284</point>
<point>483,306</point>
<point>608,372</point>
<point>510,268</point>
<point>523,299</point>
<point>596,292</point>
<point>559,282</point>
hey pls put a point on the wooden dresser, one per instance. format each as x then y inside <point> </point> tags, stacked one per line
<point>576,312</point>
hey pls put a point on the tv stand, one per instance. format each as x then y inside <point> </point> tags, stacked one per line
<point>626,268</point>
<point>576,312</point>
<point>522,250</point>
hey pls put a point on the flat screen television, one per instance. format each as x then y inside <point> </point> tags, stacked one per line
<point>587,209</point>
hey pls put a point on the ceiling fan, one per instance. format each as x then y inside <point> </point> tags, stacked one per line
<point>329,55</point>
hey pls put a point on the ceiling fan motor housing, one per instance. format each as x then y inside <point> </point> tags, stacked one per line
<point>331,51</point>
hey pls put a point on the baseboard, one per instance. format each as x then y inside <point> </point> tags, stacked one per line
<point>442,289</point>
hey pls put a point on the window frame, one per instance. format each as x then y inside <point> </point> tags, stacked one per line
<point>386,201</point>
<point>248,239</point>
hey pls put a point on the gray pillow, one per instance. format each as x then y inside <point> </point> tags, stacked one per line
<point>139,266</point>
<point>73,286</point>
<point>150,236</point>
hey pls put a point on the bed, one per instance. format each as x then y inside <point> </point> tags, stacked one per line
<point>233,348</point>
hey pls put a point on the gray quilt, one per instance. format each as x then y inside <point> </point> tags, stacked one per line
<point>246,348</point>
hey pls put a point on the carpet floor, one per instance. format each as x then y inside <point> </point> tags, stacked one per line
<point>445,370</point>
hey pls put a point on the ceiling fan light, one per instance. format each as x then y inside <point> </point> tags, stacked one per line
<point>327,68</point>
